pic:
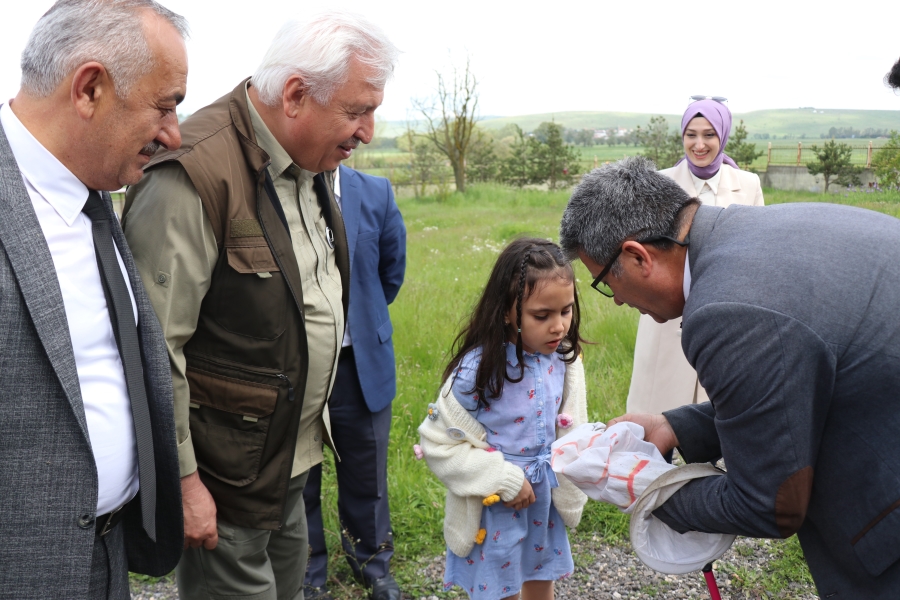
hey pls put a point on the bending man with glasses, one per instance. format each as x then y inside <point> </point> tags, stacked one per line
<point>789,318</point>
<point>661,378</point>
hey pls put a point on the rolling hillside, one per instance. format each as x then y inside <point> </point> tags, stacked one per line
<point>790,122</point>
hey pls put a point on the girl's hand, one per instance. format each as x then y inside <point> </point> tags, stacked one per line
<point>524,498</point>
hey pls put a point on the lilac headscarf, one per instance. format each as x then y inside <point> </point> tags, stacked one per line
<point>719,117</point>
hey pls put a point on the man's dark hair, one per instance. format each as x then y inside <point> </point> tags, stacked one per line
<point>892,78</point>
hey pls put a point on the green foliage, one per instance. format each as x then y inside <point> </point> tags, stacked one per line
<point>519,168</point>
<point>887,163</point>
<point>834,163</point>
<point>482,162</point>
<point>532,161</point>
<point>427,166</point>
<point>452,245</point>
<point>662,146</point>
<point>743,152</point>
<point>557,163</point>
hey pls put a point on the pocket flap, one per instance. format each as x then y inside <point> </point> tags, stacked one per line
<point>251,259</point>
<point>877,545</point>
<point>232,395</point>
<point>385,331</point>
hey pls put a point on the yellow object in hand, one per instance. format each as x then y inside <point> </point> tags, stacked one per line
<point>490,500</point>
<point>479,537</point>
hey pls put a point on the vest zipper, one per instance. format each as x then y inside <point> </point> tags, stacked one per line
<point>290,387</point>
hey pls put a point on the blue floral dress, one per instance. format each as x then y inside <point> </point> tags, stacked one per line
<point>528,544</point>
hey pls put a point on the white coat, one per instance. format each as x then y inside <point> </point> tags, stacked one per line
<point>661,378</point>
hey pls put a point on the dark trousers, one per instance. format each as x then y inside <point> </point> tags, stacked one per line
<point>109,567</point>
<point>361,440</point>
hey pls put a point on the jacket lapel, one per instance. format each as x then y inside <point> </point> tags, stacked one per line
<point>350,206</point>
<point>729,186</point>
<point>23,241</point>
<point>682,177</point>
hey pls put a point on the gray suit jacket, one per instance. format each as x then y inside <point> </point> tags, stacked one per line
<point>48,479</point>
<point>792,325</point>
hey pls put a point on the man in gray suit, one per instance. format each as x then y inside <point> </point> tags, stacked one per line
<point>89,484</point>
<point>790,319</point>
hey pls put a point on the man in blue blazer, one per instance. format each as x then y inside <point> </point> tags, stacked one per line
<point>365,384</point>
<point>790,320</point>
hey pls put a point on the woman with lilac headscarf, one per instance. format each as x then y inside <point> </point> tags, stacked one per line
<point>661,378</point>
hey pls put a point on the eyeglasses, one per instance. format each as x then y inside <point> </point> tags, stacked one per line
<point>604,288</point>
<point>719,99</point>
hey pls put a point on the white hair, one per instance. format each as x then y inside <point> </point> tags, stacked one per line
<point>74,32</point>
<point>320,51</point>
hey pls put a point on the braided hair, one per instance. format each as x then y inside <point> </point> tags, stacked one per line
<point>521,267</point>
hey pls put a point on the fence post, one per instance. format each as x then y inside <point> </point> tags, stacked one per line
<point>799,152</point>
<point>595,161</point>
<point>869,155</point>
<point>769,156</point>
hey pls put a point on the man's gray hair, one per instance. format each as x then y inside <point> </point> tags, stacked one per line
<point>624,200</point>
<point>320,51</point>
<point>74,32</point>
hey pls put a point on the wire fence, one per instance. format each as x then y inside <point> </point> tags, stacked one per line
<point>801,153</point>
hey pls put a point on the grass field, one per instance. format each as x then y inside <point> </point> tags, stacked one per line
<point>452,245</point>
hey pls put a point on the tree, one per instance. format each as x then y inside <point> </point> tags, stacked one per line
<point>557,162</point>
<point>887,162</point>
<point>833,162</point>
<point>426,164</point>
<point>612,136</point>
<point>450,119</point>
<point>482,164</point>
<point>521,168</point>
<point>661,146</point>
<point>743,152</point>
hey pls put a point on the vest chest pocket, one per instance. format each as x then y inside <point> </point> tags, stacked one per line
<point>250,297</point>
<point>230,420</point>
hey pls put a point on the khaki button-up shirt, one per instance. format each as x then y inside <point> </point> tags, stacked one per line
<point>175,251</point>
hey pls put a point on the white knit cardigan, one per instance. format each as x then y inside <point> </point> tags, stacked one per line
<point>471,474</point>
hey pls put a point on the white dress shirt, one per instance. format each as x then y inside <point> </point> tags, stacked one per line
<point>58,197</point>
<point>337,197</point>
<point>707,189</point>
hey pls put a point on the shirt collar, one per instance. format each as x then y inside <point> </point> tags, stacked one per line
<point>337,181</point>
<point>513,359</point>
<point>713,183</point>
<point>281,160</point>
<point>50,178</point>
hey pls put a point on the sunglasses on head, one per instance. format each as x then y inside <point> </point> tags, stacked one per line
<point>719,99</point>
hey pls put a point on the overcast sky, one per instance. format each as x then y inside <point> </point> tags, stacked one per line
<point>624,55</point>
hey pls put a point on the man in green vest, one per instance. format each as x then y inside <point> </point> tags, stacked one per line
<point>242,247</point>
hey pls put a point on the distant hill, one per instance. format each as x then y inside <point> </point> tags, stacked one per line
<point>780,122</point>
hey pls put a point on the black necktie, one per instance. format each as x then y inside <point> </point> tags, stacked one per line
<point>121,313</point>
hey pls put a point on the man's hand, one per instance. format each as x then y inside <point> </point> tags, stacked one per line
<point>656,429</point>
<point>524,498</point>
<point>199,514</point>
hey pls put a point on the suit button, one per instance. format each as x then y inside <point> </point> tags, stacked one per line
<point>161,278</point>
<point>86,521</point>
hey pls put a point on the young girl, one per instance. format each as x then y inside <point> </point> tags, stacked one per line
<point>514,377</point>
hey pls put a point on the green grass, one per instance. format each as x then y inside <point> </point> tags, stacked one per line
<point>452,245</point>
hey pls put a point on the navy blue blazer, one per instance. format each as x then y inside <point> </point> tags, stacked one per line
<point>376,236</point>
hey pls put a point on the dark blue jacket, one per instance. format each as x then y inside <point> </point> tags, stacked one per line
<point>376,236</point>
